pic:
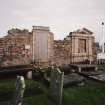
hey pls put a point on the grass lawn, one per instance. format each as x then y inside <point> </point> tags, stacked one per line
<point>93,93</point>
<point>35,93</point>
<point>101,67</point>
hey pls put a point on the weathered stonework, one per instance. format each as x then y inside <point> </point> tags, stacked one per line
<point>40,47</point>
<point>77,47</point>
<point>19,91</point>
<point>56,85</point>
<point>15,48</point>
<point>62,52</point>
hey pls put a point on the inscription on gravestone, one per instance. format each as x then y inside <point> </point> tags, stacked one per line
<point>19,92</point>
<point>56,85</point>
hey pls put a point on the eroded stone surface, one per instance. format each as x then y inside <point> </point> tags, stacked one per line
<point>78,46</point>
<point>19,91</point>
<point>73,79</point>
<point>56,85</point>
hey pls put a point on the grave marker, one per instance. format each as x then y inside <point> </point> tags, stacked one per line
<point>56,85</point>
<point>19,92</point>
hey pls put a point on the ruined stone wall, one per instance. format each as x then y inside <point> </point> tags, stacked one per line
<point>78,47</point>
<point>82,48</point>
<point>16,46</point>
<point>62,52</point>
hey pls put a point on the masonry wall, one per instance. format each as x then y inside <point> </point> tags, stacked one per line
<point>76,48</point>
<point>78,53</point>
<point>62,52</point>
<point>17,48</point>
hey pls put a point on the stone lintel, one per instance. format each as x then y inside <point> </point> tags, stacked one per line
<point>41,28</point>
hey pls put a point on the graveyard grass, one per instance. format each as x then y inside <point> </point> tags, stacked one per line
<point>93,93</point>
<point>102,67</point>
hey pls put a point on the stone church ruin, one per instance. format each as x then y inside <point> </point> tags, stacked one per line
<point>21,47</point>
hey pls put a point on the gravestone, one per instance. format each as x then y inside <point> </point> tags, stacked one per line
<point>56,85</point>
<point>19,91</point>
<point>29,75</point>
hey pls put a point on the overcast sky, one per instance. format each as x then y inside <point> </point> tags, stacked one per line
<point>62,16</point>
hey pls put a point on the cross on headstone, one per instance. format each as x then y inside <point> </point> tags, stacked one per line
<point>19,92</point>
<point>56,85</point>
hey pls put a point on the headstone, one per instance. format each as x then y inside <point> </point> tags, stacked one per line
<point>73,79</point>
<point>19,92</point>
<point>29,74</point>
<point>56,85</point>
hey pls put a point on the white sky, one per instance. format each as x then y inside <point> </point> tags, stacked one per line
<point>62,16</point>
